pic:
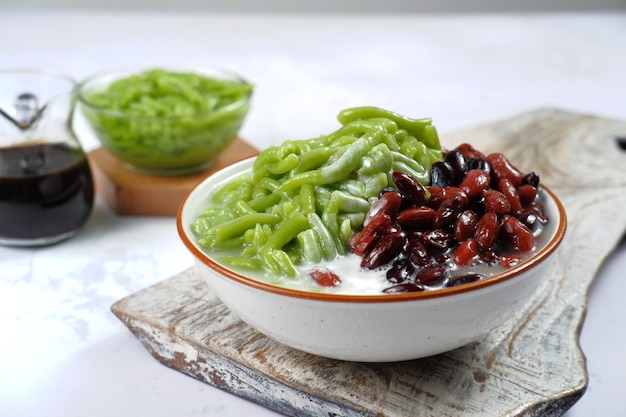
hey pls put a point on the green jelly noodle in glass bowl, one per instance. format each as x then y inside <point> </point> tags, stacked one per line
<point>165,122</point>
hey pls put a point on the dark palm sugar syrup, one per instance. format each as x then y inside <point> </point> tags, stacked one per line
<point>46,191</point>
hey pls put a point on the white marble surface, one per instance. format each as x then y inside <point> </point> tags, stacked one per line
<point>62,351</point>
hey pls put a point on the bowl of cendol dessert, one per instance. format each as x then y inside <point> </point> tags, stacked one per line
<point>373,243</point>
<point>165,121</point>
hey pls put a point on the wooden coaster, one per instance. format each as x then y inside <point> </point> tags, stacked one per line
<point>130,192</point>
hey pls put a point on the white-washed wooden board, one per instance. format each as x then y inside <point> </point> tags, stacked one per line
<point>532,366</point>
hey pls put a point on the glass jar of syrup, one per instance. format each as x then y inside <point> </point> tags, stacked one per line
<point>46,185</point>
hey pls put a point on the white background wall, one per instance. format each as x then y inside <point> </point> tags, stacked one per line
<point>370,6</point>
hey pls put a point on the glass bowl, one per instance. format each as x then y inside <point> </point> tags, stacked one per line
<point>165,121</point>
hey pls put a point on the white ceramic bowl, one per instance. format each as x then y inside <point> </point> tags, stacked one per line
<point>370,328</point>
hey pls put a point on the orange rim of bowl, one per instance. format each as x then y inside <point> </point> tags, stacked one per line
<point>540,256</point>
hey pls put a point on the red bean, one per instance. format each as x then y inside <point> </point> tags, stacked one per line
<point>448,211</point>
<point>400,271</point>
<point>418,254</point>
<point>520,236</point>
<point>469,151</point>
<point>506,187</point>
<point>496,201</point>
<point>466,252</point>
<point>438,194</point>
<point>502,168</point>
<point>487,230</point>
<point>465,225</point>
<point>431,275</point>
<point>527,194</point>
<point>388,203</point>
<point>475,182</point>
<point>325,277</point>
<point>416,218</point>
<point>464,279</point>
<point>385,250</point>
<point>410,188</point>
<point>363,241</point>
<point>459,196</point>
<point>439,239</point>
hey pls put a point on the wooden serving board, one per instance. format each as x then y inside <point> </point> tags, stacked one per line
<point>532,366</point>
<point>134,193</point>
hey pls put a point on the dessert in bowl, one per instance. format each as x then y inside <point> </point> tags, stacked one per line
<point>356,274</point>
<point>165,121</point>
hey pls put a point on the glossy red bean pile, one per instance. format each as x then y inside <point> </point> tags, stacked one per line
<point>478,209</point>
